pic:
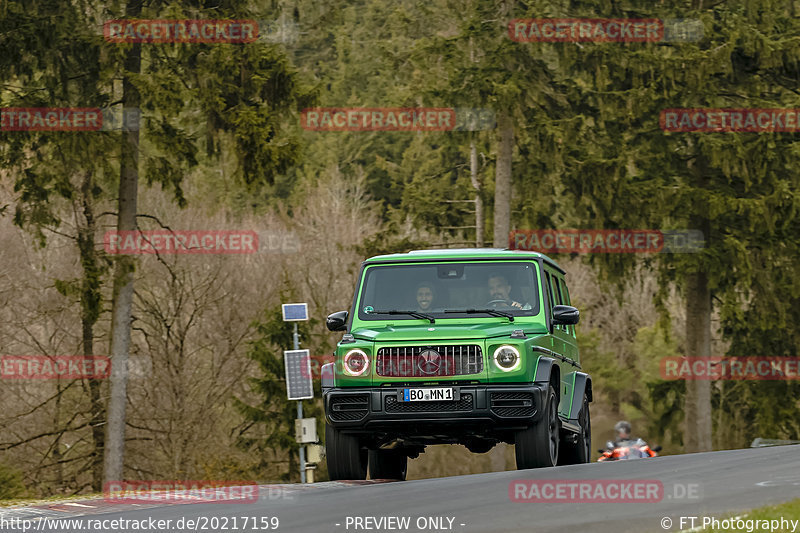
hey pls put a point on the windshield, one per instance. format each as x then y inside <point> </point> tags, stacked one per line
<point>461,289</point>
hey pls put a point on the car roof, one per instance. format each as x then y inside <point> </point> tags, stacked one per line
<point>462,254</point>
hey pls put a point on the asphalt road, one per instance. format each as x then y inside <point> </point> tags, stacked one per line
<point>704,484</point>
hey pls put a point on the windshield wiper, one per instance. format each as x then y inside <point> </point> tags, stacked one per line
<point>493,312</point>
<point>415,314</point>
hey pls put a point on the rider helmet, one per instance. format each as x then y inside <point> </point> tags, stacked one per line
<point>623,429</point>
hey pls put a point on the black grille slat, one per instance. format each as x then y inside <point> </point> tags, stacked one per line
<point>362,398</point>
<point>463,404</point>
<point>512,396</point>
<point>347,416</point>
<point>515,411</point>
<point>404,361</point>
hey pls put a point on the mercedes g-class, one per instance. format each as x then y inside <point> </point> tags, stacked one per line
<point>471,347</point>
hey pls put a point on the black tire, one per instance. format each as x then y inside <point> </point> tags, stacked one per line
<point>388,464</point>
<point>581,451</point>
<point>537,446</point>
<point>345,456</point>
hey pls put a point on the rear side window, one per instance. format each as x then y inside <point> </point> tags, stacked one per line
<point>565,301</point>
<point>549,279</point>
<point>565,293</point>
<point>558,298</point>
<point>556,292</point>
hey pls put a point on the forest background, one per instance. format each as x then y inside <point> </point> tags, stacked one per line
<point>575,142</point>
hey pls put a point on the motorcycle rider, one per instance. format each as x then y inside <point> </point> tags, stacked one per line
<point>623,430</point>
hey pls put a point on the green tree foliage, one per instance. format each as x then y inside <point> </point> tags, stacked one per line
<point>54,58</point>
<point>623,171</point>
<point>220,123</point>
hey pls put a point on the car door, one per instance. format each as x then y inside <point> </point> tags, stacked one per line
<point>563,344</point>
<point>566,334</point>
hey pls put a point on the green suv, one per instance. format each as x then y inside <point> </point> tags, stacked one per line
<point>471,347</point>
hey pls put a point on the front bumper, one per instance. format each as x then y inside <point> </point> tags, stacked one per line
<point>480,409</point>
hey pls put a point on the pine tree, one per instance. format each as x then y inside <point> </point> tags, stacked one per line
<point>737,188</point>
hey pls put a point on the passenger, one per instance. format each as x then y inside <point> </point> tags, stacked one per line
<point>425,297</point>
<point>499,292</point>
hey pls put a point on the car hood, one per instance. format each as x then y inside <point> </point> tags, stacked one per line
<point>444,332</point>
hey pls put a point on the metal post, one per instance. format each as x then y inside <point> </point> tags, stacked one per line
<point>296,338</point>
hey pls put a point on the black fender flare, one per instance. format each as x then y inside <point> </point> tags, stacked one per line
<point>583,386</point>
<point>546,371</point>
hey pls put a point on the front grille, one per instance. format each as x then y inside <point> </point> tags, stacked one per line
<point>513,404</point>
<point>349,408</point>
<point>429,361</point>
<point>463,404</point>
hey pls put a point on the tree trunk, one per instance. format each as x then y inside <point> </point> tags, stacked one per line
<point>502,182</point>
<point>124,268</point>
<point>91,303</point>
<point>476,184</point>
<point>698,344</point>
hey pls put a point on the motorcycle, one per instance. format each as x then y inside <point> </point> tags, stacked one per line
<point>626,450</point>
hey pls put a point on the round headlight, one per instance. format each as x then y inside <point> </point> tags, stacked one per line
<point>356,362</point>
<point>507,358</point>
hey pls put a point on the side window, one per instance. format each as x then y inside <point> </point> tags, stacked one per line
<point>549,282</point>
<point>566,301</point>
<point>565,293</point>
<point>556,291</point>
<point>556,297</point>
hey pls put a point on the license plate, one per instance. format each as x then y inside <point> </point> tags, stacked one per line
<point>429,395</point>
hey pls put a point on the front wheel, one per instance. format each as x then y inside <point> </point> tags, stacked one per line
<point>388,464</point>
<point>537,446</point>
<point>346,458</point>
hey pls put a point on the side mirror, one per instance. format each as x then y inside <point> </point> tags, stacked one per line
<point>337,321</point>
<point>657,449</point>
<point>565,314</point>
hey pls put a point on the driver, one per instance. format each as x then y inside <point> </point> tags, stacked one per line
<point>499,291</point>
